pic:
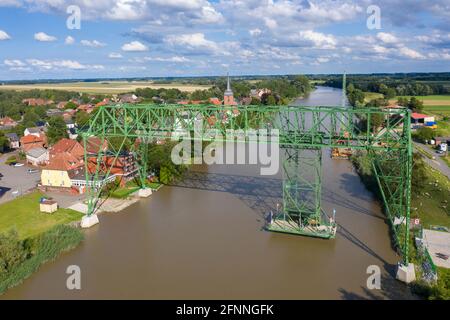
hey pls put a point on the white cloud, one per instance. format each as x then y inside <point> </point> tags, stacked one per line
<point>43,37</point>
<point>14,63</point>
<point>410,53</point>
<point>255,32</point>
<point>92,43</point>
<point>69,40</point>
<point>317,39</point>
<point>387,38</point>
<point>60,65</point>
<point>134,46</point>
<point>194,42</point>
<point>178,59</point>
<point>4,35</point>
<point>115,55</point>
<point>270,23</point>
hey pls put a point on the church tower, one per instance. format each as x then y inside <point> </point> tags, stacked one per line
<point>228,97</point>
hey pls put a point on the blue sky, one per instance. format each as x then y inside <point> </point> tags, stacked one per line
<point>130,38</point>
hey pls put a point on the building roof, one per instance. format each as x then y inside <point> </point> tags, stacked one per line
<point>36,152</point>
<point>63,161</point>
<point>69,146</point>
<point>94,145</point>
<point>7,121</point>
<point>12,136</point>
<point>417,116</point>
<point>31,139</point>
<point>34,129</point>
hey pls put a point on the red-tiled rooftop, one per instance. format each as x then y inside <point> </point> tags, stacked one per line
<point>417,116</point>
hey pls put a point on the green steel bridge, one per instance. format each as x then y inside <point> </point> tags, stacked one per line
<point>302,131</point>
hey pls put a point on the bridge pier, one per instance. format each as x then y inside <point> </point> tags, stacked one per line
<point>89,220</point>
<point>406,273</point>
<point>145,193</point>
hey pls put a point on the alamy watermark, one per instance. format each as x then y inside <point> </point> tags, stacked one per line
<point>73,281</point>
<point>374,280</point>
<point>260,142</point>
<point>374,20</point>
<point>73,22</point>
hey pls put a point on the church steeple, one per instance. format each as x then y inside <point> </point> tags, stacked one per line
<point>228,92</point>
<point>228,98</point>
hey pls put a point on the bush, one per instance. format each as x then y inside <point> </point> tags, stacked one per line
<point>11,159</point>
<point>30,254</point>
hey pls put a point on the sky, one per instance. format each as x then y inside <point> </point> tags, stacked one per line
<point>54,39</point>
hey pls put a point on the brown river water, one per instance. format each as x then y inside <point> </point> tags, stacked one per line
<point>202,238</point>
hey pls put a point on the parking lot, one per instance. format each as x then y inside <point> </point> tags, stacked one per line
<point>16,180</point>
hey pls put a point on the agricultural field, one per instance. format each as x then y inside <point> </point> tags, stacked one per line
<point>104,87</point>
<point>437,105</point>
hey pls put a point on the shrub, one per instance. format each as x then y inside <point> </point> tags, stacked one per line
<point>32,253</point>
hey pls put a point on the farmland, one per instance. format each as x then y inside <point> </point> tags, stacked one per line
<point>104,87</point>
<point>436,104</point>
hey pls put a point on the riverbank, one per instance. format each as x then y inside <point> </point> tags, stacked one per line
<point>23,215</point>
<point>429,204</point>
<point>22,258</point>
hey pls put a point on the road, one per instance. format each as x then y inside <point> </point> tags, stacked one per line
<point>437,163</point>
<point>15,179</point>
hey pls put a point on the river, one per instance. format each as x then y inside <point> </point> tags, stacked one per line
<point>202,238</point>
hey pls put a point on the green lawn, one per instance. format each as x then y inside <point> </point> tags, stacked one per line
<point>23,214</point>
<point>430,203</point>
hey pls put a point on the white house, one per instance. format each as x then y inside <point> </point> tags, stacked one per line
<point>35,131</point>
<point>37,156</point>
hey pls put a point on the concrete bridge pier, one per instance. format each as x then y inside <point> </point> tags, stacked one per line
<point>406,273</point>
<point>89,221</point>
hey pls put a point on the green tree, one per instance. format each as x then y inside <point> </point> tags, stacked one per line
<point>30,118</point>
<point>4,142</point>
<point>70,105</point>
<point>82,118</point>
<point>415,104</point>
<point>56,129</point>
<point>425,133</point>
<point>12,251</point>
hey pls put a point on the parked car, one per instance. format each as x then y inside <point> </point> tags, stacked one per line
<point>19,165</point>
<point>32,170</point>
<point>13,163</point>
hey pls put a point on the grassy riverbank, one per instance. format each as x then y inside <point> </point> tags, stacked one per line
<point>21,258</point>
<point>429,202</point>
<point>23,215</point>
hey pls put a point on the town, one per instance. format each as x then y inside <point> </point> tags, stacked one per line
<point>224,150</point>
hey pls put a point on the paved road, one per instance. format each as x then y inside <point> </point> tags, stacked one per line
<point>438,163</point>
<point>15,180</point>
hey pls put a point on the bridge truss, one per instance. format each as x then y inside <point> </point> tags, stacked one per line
<point>384,134</point>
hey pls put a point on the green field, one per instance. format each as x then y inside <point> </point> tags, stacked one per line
<point>437,104</point>
<point>104,87</point>
<point>430,205</point>
<point>23,214</point>
<point>369,96</point>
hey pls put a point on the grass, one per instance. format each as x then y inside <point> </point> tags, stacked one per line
<point>369,96</point>
<point>425,153</point>
<point>130,187</point>
<point>429,204</point>
<point>23,214</point>
<point>105,87</point>
<point>443,128</point>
